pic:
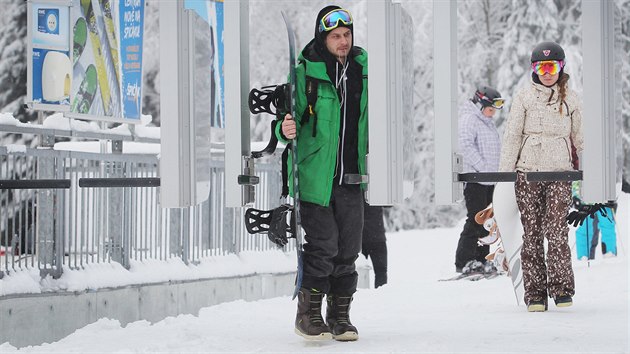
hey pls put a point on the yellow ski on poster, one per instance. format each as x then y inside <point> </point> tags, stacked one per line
<point>106,5</point>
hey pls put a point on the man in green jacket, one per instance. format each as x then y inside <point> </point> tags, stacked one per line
<point>331,153</point>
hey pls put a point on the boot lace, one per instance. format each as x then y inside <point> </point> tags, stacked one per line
<point>316,309</point>
<point>342,309</point>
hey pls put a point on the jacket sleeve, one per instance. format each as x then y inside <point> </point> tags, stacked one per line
<point>467,136</point>
<point>576,126</point>
<point>513,135</point>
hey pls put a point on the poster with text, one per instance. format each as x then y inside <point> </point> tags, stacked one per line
<point>107,59</point>
<point>50,74</point>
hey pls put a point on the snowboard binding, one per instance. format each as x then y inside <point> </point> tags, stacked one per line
<point>272,222</point>
<point>486,218</point>
<point>270,99</point>
<point>273,100</point>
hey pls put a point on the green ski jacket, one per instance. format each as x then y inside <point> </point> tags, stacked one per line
<point>317,156</point>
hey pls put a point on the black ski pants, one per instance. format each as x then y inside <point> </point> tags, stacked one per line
<point>477,197</point>
<point>333,241</point>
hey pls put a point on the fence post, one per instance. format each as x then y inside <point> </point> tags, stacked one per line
<point>46,245</point>
<point>229,233</point>
<point>206,213</point>
<point>174,230</point>
<point>115,216</point>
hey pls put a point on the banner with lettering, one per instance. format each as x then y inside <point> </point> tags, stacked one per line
<point>49,66</point>
<point>131,29</point>
<point>107,59</point>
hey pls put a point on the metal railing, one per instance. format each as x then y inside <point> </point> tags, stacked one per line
<point>55,212</point>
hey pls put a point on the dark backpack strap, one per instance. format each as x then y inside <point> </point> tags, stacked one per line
<point>285,171</point>
<point>311,99</point>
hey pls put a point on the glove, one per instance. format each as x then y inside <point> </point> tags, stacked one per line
<point>578,216</point>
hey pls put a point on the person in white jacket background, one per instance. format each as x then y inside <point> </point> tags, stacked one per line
<point>545,121</point>
<point>480,145</point>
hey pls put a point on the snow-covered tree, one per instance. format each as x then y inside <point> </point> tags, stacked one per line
<point>13,60</point>
<point>151,61</point>
<point>481,27</point>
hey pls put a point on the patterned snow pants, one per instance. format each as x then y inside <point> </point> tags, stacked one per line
<point>543,207</point>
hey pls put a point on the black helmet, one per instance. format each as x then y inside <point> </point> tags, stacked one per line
<point>488,97</point>
<point>547,51</point>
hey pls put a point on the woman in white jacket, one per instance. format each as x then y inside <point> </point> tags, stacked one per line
<point>545,121</point>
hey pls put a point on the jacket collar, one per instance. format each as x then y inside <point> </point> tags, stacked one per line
<point>550,93</point>
<point>475,111</point>
<point>316,66</point>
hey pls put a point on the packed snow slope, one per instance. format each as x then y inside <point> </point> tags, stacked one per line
<point>414,313</point>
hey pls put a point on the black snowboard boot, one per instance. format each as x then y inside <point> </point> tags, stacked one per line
<point>563,300</point>
<point>308,321</point>
<point>338,318</point>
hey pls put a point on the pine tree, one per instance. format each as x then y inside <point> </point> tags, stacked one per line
<point>13,60</point>
<point>481,25</point>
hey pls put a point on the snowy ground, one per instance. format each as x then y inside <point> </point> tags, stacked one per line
<point>413,313</point>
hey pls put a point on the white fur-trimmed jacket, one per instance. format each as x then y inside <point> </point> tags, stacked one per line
<point>537,136</point>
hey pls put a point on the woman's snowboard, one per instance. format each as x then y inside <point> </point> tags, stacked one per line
<point>508,221</point>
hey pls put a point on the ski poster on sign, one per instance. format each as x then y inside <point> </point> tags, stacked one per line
<point>107,60</point>
<point>131,28</point>
<point>212,12</point>
<point>49,65</point>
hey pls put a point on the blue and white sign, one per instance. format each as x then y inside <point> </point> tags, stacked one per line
<point>51,26</point>
<point>48,21</point>
<point>131,33</point>
<point>50,68</point>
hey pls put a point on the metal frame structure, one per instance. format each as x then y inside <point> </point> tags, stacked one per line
<point>237,142</point>
<point>185,93</point>
<point>447,161</point>
<point>385,107</point>
<point>598,43</point>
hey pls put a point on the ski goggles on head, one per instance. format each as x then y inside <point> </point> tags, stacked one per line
<point>551,67</point>
<point>331,20</point>
<point>496,102</point>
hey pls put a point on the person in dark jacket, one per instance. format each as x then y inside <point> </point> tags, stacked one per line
<point>331,150</point>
